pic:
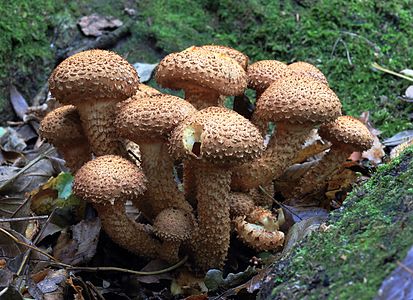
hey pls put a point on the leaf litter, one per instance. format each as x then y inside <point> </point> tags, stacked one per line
<point>34,181</point>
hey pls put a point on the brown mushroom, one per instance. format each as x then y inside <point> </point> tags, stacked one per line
<point>62,128</point>
<point>148,122</point>
<point>238,56</point>
<point>94,81</point>
<point>107,182</point>
<point>347,135</point>
<point>262,73</point>
<point>173,227</point>
<point>302,68</point>
<point>215,139</point>
<point>296,105</point>
<point>202,74</point>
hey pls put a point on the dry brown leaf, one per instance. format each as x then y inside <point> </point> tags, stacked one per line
<point>96,25</point>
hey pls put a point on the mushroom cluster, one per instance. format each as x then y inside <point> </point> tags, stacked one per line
<point>222,154</point>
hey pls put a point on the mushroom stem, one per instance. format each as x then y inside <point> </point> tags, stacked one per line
<point>201,98</point>
<point>162,191</point>
<point>169,251</point>
<point>315,178</point>
<point>190,184</point>
<point>76,154</point>
<point>279,154</point>
<point>130,235</point>
<point>97,121</point>
<point>211,241</point>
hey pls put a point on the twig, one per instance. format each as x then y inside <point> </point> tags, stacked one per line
<point>21,206</point>
<point>23,219</point>
<point>36,240</point>
<point>340,40</point>
<point>17,241</point>
<point>383,69</point>
<point>279,203</point>
<point>370,43</point>
<point>25,168</point>
<point>406,268</point>
<point>93,269</point>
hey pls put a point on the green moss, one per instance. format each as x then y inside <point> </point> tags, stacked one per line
<point>326,33</point>
<point>362,245</point>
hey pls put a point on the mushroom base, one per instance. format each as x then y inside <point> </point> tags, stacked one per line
<point>128,234</point>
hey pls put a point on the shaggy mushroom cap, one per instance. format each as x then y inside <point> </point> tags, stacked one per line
<point>173,225</point>
<point>63,123</point>
<point>146,90</point>
<point>217,135</point>
<point>299,100</point>
<point>195,67</point>
<point>107,179</point>
<point>348,131</point>
<point>151,118</point>
<point>93,75</point>
<point>262,73</point>
<point>240,57</point>
<point>307,69</point>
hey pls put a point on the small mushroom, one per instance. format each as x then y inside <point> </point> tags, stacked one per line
<point>202,74</point>
<point>347,135</point>
<point>296,105</point>
<point>264,72</point>
<point>215,139</point>
<point>94,81</point>
<point>173,227</point>
<point>302,68</point>
<point>260,229</point>
<point>148,122</point>
<point>62,128</point>
<point>108,182</point>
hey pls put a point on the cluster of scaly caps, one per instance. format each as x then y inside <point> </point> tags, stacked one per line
<point>223,154</point>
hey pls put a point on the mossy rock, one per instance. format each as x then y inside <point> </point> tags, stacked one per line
<point>361,247</point>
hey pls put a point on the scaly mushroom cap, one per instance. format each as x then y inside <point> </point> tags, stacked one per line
<point>240,204</point>
<point>300,100</point>
<point>195,67</point>
<point>93,75</point>
<point>173,225</point>
<point>151,118</point>
<point>107,179</point>
<point>262,73</point>
<point>62,124</point>
<point>306,69</point>
<point>240,57</point>
<point>348,131</point>
<point>145,90</point>
<point>217,135</point>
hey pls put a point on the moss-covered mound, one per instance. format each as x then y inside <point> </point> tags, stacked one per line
<point>361,247</point>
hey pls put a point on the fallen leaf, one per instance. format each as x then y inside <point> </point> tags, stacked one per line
<point>300,230</point>
<point>82,246</point>
<point>399,138</point>
<point>56,193</point>
<point>399,284</point>
<point>144,70</point>
<point>12,141</point>
<point>18,102</point>
<point>96,25</point>
<point>154,265</point>
<point>214,279</point>
<point>409,92</point>
<point>408,72</point>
